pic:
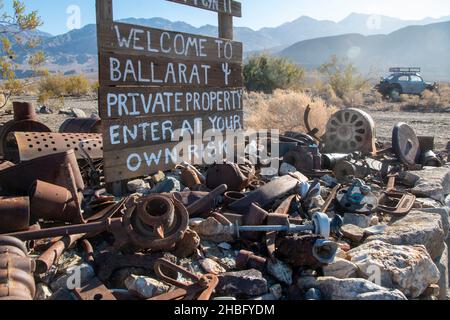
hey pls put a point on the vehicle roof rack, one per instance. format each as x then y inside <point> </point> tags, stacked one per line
<point>408,70</point>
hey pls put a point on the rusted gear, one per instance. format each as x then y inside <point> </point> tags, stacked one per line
<point>406,144</point>
<point>236,177</point>
<point>145,236</point>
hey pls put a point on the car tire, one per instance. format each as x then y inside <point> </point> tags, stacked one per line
<point>394,94</point>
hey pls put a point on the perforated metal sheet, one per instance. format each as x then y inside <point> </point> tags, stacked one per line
<point>32,145</point>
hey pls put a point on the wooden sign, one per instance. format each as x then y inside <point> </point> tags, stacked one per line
<point>155,84</point>
<point>229,7</point>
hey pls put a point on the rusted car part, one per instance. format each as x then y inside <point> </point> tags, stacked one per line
<point>330,199</point>
<point>25,120</point>
<point>236,177</point>
<point>60,169</point>
<point>94,290</point>
<point>299,138</point>
<point>350,130</point>
<point>88,251</point>
<point>358,198</point>
<point>201,288</point>
<point>14,214</point>
<point>81,125</point>
<point>55,203</point>
<point>430,159</point>
<point>246,260</point>
<point>231,197</point>
<point>51,256</point>
<point>269,192</point>
<point>189,166</point>
<point>206,204</point>
<point>312,132</point>
<point>32,145</point>
<point>128,230</point>
<point>254,217</point>
<point>330,160</point>
<point>190,178</point>
<point>405,144</point>
<point>106,263</point>
<point>285,206</point>
<point>402,207</point>
<point>345,170</point>
<point>305,158</point>
<point>16,271</point>
<point>309,251</point>
<point>319,225</point>
<point>426,142</point>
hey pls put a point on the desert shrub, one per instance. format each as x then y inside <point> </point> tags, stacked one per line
<point>265,73</point>
<point>344,79</point>
<point>58,86</point>
<point>284,110</point>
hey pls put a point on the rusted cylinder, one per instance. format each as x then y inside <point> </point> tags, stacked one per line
<point>24,111</point>
<point>81,125</point>
<point>256,216</point>
<point>54,203</point>
<point>14,214</point>
<point>248,260</point>
<point>189,178</point>
<point>207,203</point>
<point>232,196</point>
<point>16,271</point>
<point>52,254</point>
<point>156,211</point>
<point>88,250</point>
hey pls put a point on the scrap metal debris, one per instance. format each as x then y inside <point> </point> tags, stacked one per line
<point>224,233</point>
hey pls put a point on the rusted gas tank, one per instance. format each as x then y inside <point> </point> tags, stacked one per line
<point>81,125</point>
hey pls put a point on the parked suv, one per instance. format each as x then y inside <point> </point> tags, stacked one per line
<point>404,81</point>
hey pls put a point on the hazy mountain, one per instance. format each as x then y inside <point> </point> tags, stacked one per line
<point>76,50</point>
<point>425,46</point>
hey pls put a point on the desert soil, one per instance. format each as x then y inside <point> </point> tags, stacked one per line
<point>427,124</point>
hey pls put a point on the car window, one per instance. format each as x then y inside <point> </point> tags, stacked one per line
<point>416,79</point>
<point>403,78</point>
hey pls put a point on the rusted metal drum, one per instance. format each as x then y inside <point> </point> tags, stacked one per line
<point>16,271</point>
<point>81,125</point>
<point>14,214</point>
<point>24,121</point>
<point>55,203</point>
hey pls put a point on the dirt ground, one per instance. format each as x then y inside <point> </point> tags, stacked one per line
<point>432,124</point>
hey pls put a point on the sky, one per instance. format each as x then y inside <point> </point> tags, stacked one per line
<point>60,16</point>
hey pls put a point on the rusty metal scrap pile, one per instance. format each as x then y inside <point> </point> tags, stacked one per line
<point>218,232</point>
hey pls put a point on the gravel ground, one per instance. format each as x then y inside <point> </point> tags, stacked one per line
<point>432,124</point>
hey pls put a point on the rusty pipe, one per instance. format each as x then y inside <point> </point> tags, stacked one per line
<point>14,214</point>
<point>24,111</point>
<point>52,254</point>
<point>207,203</point>
<point>89,250</point>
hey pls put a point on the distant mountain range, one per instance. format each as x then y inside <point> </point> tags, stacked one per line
<point>426,46</point>
<point>76,51</point>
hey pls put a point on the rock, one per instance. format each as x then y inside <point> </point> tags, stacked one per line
<point>306,283</point>
<point>352,232</point>
<point>313,294</point>
<point>118,278</point>
<point>277,291</point>
<point>242,283</point>
<point>75,277</point>
<point>158,177</point>
<point>280,271</point>
<point>225,246</point>
<point>409,269</point>
<point>78,113</point>
<point>417,228</point>
<point>211,230</point>
<point>43,292</point>
<point>432,183</point>
<point>145,287</point>
<point>63,295</point>
<point>354,289</point>
<point>431,292</point>
<point>136,185</point>
<point>210,266</point>
<point>286,168</point>
<point>168,185</point>
<point>444,213</point>
<point>188,245</point>
<point>44,110</point>
<point>361,220</point>
<point>429,203</point>
<point>447,201</point>
<point>442,265</point>
<point>341,269</point>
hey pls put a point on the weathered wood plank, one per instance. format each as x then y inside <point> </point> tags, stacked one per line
<point>229,7</point>
<point>135,102</point>
<point>137,132</point>
<point>120,69</point>
<point>134,39</point>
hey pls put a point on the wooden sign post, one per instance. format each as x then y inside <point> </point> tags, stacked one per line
<point>154,82</point>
